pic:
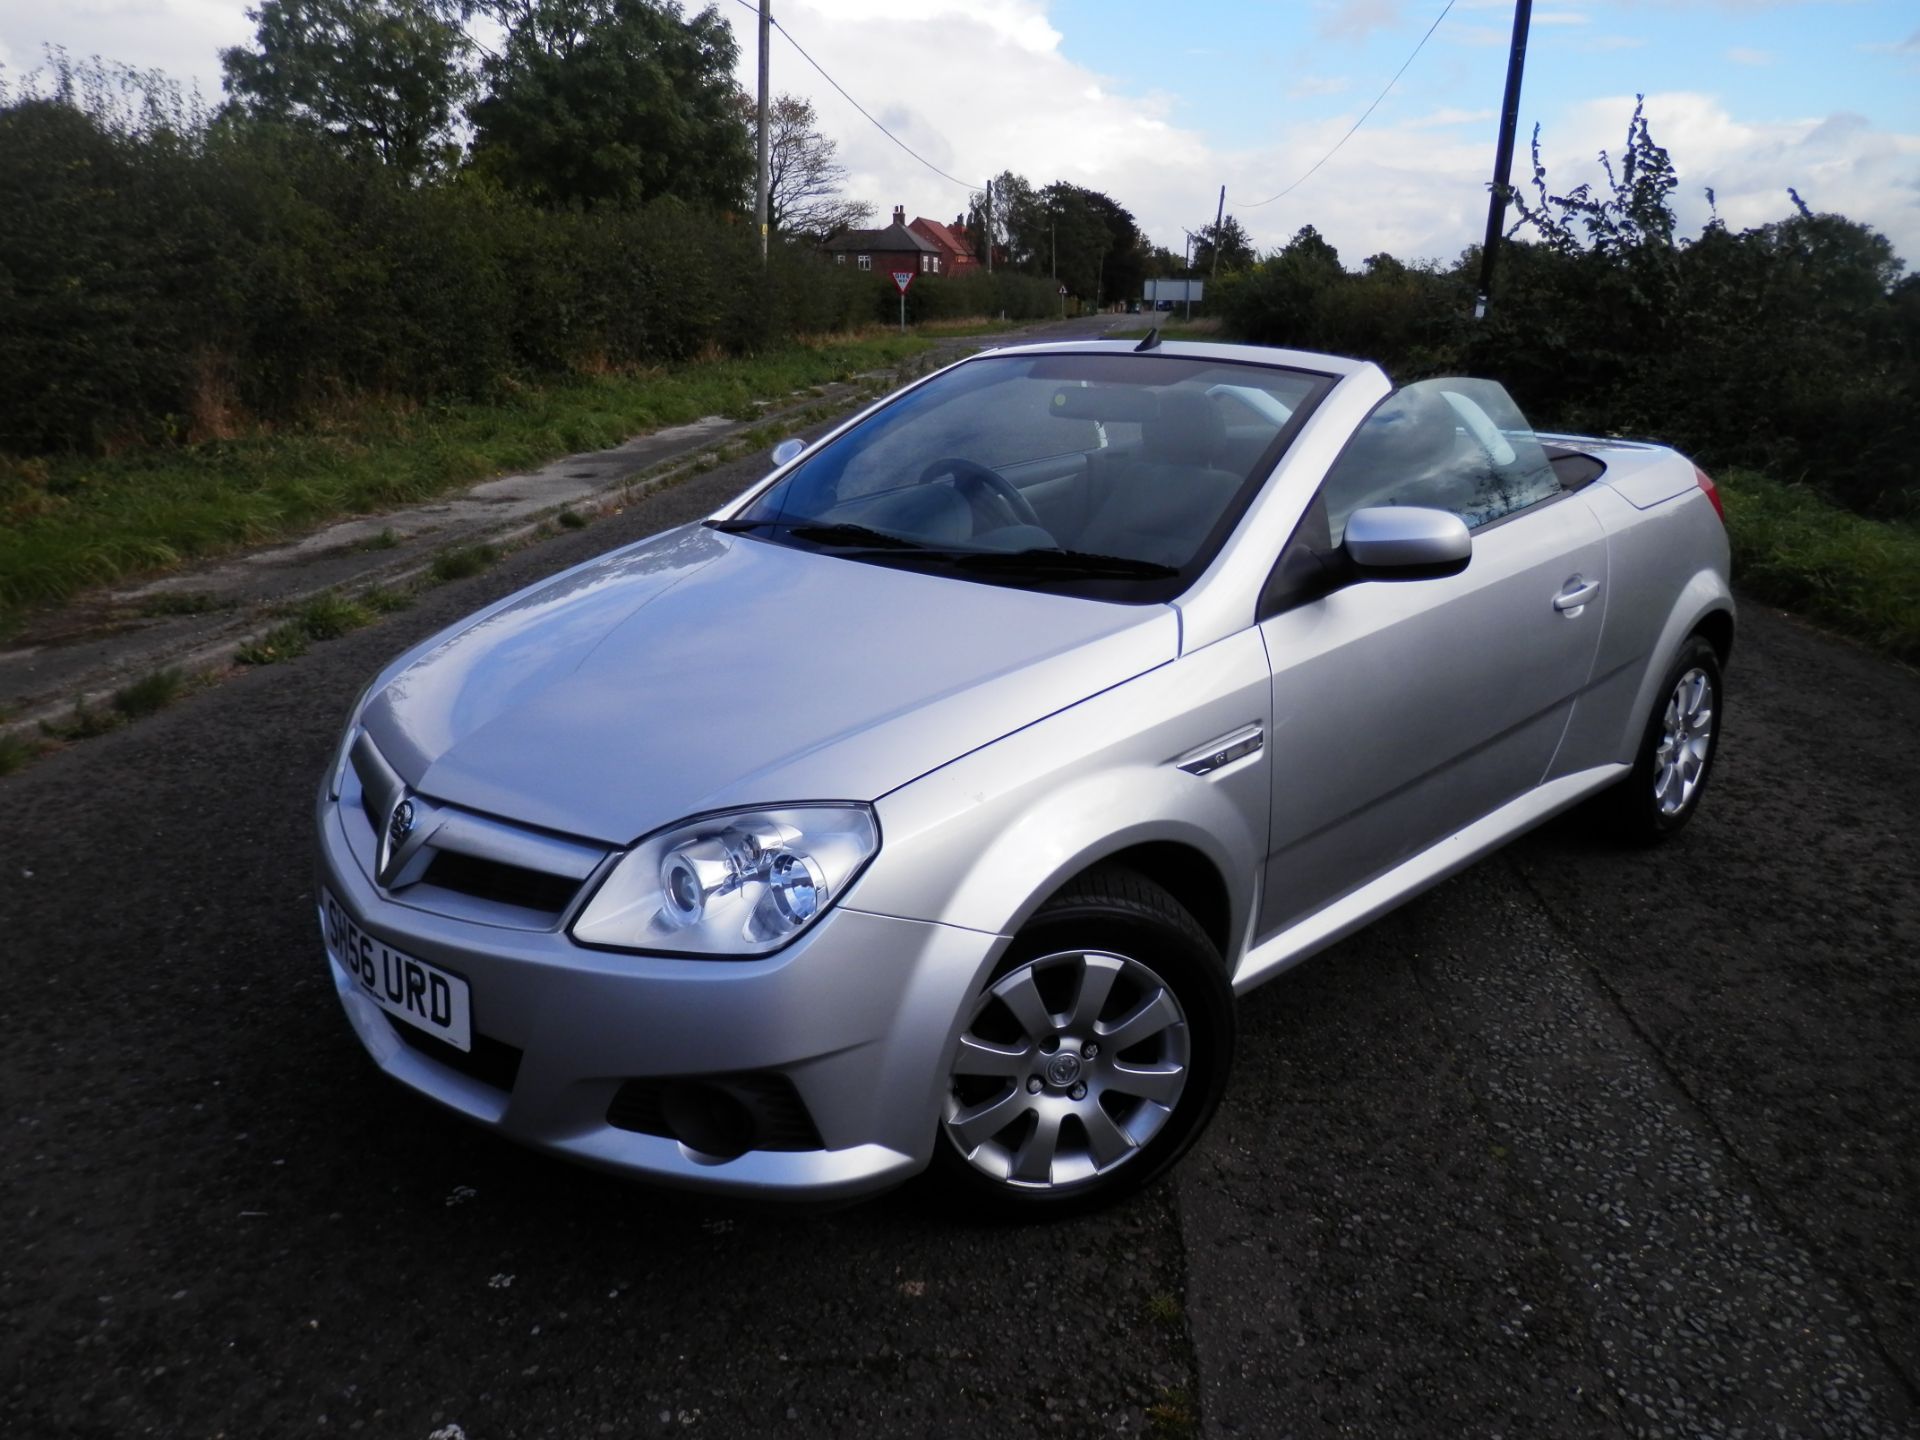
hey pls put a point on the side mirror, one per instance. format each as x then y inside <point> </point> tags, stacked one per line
<point>788,450</point>
<point>1407,542</point>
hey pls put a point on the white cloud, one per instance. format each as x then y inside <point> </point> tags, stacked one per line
<point>1356,19</point>
<point>1308,85</point>
<point>1908,46</point>
<point>1742,55</point>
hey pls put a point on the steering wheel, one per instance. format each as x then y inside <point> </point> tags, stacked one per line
<point>969,475</point>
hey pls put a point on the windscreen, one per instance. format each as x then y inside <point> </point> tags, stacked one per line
<point>1051,469</point>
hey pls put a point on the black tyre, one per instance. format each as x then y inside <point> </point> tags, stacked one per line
<point>1677,750</point>
<point>1092,1059</point>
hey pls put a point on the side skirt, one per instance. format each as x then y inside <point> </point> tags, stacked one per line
<point>1423,871</point>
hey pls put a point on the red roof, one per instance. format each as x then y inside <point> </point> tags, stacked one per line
<point>954,242</point>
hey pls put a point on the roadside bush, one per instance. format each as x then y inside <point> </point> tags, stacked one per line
<point>975,292</point>
<point>1792,347</point>
<point>162,283</point>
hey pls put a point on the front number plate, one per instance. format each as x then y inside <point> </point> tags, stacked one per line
<point>412,991</point>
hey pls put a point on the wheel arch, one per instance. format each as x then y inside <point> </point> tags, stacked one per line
<point>1703,607</point>
<point>1716,626</point>
<point>1188,874</point>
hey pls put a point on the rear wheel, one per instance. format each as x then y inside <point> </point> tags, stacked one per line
<point>1094,1056</point>
<point>1676,754</point>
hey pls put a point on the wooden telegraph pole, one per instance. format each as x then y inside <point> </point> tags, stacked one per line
<point>760,189</point>
<point>1219,219</point>
<point>1503,155</point>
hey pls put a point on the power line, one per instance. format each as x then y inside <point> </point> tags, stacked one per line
<point>966,185</point>
<point>1363,114</point>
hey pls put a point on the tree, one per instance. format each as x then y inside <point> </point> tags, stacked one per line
<point>380,77</point>
<point>1013,206</point>
<point>1637,214</point>
<point>613,102</point>
<point>1236,247</point>
<point>803,179</point>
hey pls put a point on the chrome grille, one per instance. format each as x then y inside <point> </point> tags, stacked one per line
<point>457,862</point>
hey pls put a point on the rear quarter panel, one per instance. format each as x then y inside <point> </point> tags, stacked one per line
<point>1667,571</point>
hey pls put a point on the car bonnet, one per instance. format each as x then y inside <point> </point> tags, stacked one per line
<point>697,671</point>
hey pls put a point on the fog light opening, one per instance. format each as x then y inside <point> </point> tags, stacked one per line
<point>707,1119</point>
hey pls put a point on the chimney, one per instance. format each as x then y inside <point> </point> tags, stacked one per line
<point>899,214</point>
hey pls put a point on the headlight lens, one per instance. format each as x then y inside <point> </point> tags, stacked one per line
<point>737,884</point>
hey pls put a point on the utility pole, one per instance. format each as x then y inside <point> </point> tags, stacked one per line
<point>1219,219</point>
<point>1503,155</point>
<point>760,190</point>
<point>1186,285</point>
<point>987,228</point>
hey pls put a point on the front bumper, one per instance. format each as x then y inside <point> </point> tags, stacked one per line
<point>857,1015</point>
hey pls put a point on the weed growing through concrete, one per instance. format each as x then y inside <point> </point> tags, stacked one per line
<point>466,561</point>
<point>1172,1414</point>
<point>16,750</point>
<point>287,641</point>
<point>327,617</point>
<point>151,694</point>
<point>85,722</point>
<point>571,520</point>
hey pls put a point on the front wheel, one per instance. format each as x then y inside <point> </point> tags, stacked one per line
<point>1093,1058</point>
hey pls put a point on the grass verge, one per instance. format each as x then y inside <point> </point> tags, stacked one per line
<point>1794,549</point>
<point>67,523</point>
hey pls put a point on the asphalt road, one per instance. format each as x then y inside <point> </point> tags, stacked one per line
<point>1581,1143</point>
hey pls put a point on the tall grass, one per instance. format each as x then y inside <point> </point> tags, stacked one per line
<point>1797,550</point>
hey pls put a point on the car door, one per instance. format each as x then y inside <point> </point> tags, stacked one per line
<point>1404,710</point>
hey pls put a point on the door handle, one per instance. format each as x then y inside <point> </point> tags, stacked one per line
<point>1576,594</point>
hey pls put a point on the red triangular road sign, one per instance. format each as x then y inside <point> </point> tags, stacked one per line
<point>903,278</point>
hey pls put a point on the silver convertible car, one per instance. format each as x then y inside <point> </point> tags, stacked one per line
<point>929,805</point>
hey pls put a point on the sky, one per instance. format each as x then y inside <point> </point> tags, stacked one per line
<point>1160,105</point>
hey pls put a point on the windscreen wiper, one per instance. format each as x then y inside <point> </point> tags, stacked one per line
<point>842,536</point>
<point>839,536</point>
<point>1076,564</point>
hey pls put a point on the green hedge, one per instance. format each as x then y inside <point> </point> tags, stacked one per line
<point>158,287</point>
<point>955,297</point>
<point>1780,348</point>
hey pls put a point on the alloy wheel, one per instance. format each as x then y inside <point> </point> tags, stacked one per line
<point>1069,1065</point>
<point>1686,738</point>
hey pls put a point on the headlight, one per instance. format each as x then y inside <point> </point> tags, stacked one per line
<point>738,884</point>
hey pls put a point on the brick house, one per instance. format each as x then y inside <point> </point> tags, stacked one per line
<point>956,250</point>
<point>925,247</point>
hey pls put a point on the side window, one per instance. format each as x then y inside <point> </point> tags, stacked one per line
<point>1449,444</point>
